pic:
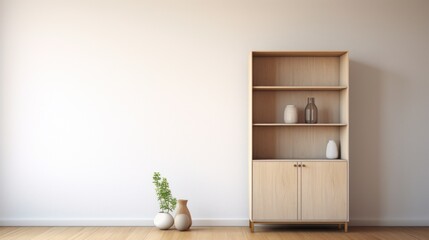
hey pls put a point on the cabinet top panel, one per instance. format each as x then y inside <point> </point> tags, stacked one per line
<point>300,160</point>
<point>299,54</point>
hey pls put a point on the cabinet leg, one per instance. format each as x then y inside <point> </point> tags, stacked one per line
<point>252,226</point>
<point>346,227</point>
<point>339,226</point>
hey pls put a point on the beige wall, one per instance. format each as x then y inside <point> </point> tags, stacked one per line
<point>96,95</point>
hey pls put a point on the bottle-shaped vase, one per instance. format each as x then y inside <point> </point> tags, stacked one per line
<point>311,111</point>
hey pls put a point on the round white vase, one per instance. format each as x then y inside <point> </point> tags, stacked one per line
<point>182,222</point>
<point>291,114</point>
<point>163,221</point>
<point>331,150</point>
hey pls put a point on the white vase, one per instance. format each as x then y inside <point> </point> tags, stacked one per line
<point>182,222</point>
<point>331,150</point>
<point>163,221</point>
<point>291,114</point>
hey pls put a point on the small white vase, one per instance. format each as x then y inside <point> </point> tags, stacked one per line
<point>182,222</point>
<point>291,114</point>
<point>331,150</point>
<point>163,221</point>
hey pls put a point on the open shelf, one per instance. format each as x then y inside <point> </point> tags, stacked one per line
<point>299,125</point>
<point>299,142</point>
<point>269,106</point>
<point>299,88</point>
<point>290,70</point>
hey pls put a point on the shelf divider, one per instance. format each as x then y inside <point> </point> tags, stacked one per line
<point>299,124</point>
<point>299,88</point>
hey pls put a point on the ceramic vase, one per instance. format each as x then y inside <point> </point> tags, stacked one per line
<point>311,111</point>
<point>331,150</point>
<point>163,221</point>
<point>291,114</point>
<point>182,222</point>
<point>182,208</point>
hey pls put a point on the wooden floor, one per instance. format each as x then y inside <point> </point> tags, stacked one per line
<point>215,233</point>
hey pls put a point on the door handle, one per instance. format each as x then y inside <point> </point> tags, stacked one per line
<point>299,165</point>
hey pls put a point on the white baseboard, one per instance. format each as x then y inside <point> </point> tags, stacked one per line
<point>389,222</point>
<point>145,222</point>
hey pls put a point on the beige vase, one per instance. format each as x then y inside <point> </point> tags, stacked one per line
<point>183,209</point>
<point>181,222</point>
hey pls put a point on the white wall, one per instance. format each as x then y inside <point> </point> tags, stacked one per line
<point>96,95</point>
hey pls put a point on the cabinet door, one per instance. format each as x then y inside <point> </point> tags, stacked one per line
<point>275,191</point>
<point>324,191</point>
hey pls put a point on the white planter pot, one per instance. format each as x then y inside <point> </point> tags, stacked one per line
<point>291,114</point>
<point>331,150</point>
<point>163,221</point>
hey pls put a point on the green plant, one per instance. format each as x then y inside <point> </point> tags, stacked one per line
<point>166,201</point>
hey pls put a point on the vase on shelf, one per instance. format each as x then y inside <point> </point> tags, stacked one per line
<point>311,111</point>
<point>291,114</point>
<point>182,208</point>
<point>331,150</point>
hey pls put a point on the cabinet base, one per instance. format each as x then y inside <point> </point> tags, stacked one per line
<point>340,224</point>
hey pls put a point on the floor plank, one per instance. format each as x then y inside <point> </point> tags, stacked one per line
<point>213,233</point>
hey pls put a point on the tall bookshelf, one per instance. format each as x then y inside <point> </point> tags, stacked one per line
<point>291,181</point>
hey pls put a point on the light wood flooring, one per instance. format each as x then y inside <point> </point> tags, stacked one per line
<point>215,233</point>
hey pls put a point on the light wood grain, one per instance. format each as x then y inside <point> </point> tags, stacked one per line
<point>75,233</point>
<point>290,232</point>
<point>300,160</point>
<point>298,53</point>
<point>292,142</point>
<point>249,134</point>
<point>299,88</point>
<point>275,191</point>
<point>344,106</point>
<point>324,191</point>
<point>344,118</point>
<point>296,71</point>
<point>344,69</point>
<point>299,124</point>
<point>344,143</point>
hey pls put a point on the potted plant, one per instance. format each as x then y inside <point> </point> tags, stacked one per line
<point>163,220</point>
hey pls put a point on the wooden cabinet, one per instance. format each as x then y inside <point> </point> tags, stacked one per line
<point>291,181</point>
<point>300,191</point>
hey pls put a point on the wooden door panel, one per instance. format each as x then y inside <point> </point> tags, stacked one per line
<point>324,191</point>
<point>275,191</point>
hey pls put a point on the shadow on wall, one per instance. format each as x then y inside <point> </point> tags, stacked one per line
<point>365,167</point>
<point>2,94</point>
